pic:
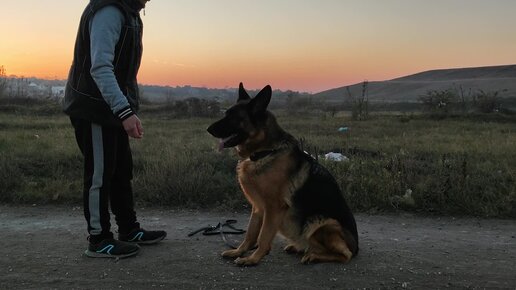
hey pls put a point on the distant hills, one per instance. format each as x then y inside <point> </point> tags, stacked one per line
<point>403,89</point>
<point>410,88</point>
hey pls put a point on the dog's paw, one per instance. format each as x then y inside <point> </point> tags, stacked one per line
<point>291,249</point>
<point>235,253</point>
<point>247,261</point>
<point>309,258</point>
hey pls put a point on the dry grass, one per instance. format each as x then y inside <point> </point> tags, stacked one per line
<point>451,166</point>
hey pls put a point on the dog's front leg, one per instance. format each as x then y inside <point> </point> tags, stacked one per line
<point>271,224</point>
<point>251,236</point>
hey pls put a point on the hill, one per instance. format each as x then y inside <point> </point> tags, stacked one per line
<point>410,88</point>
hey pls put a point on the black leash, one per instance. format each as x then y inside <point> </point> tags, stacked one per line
<point>218,230</point>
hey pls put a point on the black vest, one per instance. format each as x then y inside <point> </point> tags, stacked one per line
<point>82,96</point>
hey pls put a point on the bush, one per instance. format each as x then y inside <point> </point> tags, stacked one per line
<point>188,108</point>
<point>3,81</point>
<point>442,103</point>
<point>487,102</point>
<point>439,102</point>
<point>32,106</point>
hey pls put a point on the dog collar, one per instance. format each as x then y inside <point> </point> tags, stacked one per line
<point>261,154</point>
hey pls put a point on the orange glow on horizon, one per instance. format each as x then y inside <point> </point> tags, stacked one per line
<point>309,46</point>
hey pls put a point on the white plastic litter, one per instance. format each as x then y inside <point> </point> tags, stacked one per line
<point>332,156</point>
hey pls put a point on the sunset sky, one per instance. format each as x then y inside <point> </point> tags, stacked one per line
<point>304,45</point>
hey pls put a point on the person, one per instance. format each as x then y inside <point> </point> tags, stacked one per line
<point>102,99</point>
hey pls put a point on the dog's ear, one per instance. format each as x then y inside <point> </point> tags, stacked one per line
<point>242,94</point>
<point>261,101</point>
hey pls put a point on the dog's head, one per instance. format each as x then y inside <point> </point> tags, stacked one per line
<point>244,120</point>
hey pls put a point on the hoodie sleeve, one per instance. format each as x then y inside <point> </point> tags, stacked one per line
<point>105,29</point>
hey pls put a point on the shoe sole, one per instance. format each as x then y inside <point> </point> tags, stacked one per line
<point>101,255</point>
<point>151,242</point>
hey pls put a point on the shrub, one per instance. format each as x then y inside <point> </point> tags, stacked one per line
<point>487,102</point>
<point>439,102</point>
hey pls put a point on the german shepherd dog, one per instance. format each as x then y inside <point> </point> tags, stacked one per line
<point>289,191</point>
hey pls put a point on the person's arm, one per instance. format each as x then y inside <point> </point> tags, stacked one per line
<point>105,28</point>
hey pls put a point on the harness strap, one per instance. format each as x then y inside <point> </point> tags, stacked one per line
<point>261,154</point>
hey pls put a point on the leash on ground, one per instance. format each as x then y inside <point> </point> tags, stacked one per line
<point>218,230</point>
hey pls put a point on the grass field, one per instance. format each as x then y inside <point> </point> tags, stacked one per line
<point>458,165</point>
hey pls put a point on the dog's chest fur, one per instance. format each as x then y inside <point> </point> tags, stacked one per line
<point>265,181</point>
<point>271,181</point>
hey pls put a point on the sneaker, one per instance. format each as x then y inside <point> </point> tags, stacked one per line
<point>111,248</point>
<point>142,236</point>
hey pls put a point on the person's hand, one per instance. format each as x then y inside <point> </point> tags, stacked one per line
<point>133,127</point>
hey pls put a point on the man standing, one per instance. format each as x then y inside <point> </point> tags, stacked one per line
<point>102,100</point>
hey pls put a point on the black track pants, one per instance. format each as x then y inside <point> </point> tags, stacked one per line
<point>108,168</point>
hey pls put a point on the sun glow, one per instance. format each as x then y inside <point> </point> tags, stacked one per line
<point>300,45</point>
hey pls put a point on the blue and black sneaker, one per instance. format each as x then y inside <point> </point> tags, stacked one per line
<point>142,236</point>
<point>111,248</point>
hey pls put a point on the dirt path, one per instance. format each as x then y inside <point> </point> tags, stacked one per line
<point>41,248</point>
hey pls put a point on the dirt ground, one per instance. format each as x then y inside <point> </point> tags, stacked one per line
<point>41,247</point>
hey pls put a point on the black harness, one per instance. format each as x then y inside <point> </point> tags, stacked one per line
<point>261,154</point>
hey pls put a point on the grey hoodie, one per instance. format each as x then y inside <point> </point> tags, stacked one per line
<point>105,28</point>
